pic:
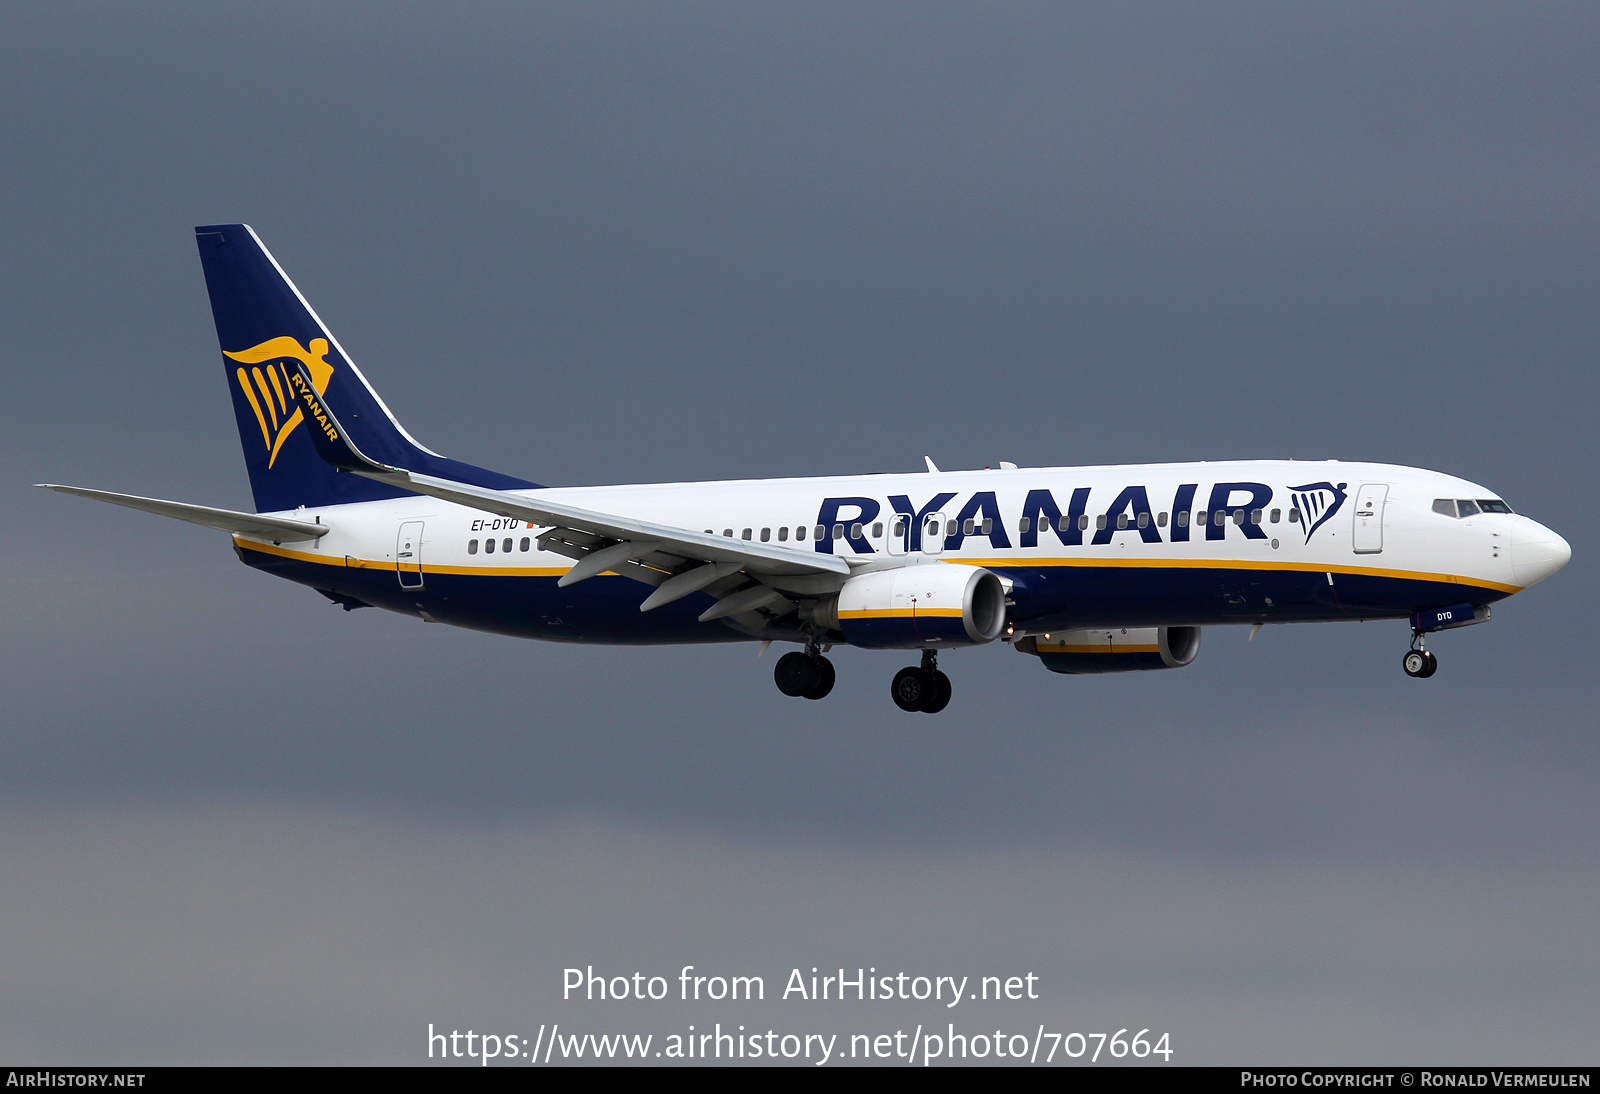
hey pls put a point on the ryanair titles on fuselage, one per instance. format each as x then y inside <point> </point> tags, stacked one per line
<point>1245,506</point>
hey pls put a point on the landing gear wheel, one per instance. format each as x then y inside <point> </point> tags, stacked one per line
<point>1420,664</point>
<point>938,694</point>
<point>796,674</point>
<point>910,689</point>
<point>824,682</point>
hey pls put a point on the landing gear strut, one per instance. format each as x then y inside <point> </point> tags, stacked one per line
<point>806,675</point>
<point>1418,662</point>
<point>922,687</point>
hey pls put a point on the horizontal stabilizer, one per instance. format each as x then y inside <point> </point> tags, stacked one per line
<point>225,520</point>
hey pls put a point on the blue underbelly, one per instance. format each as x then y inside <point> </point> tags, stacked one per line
<point>605,610</point>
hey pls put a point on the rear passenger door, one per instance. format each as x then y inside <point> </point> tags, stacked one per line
<point>408,554</point>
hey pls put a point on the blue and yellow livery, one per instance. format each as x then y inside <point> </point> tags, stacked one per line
<point>1088,569</point>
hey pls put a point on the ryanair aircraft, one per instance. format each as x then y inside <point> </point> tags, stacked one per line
<point>1087,569</point>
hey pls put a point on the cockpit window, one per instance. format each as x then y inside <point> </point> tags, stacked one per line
<point>1467,507</point>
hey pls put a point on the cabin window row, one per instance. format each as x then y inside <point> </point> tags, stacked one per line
<point>1143,520</point>
<point>973,527</point>
<point>803,533</point>
<point>525,544</point>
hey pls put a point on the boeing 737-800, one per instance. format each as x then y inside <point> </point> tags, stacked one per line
<point>1086,569</point>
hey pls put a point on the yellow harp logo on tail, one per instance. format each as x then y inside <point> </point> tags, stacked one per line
<point>268,391</point>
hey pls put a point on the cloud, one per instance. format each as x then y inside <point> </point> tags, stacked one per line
<point>276,935</point>
<point>594,245</point>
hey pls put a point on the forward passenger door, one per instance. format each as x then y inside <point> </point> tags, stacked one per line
<point>1370,499</point>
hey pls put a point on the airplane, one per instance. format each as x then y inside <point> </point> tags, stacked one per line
<point>1086,569</point>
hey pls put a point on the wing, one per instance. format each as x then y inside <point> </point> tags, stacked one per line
<point>277,529</point>
<point>744,576</point>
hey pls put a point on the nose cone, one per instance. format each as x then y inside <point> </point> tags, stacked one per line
<point>1536,551</point>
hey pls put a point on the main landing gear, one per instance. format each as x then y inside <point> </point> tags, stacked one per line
<point>806,675</point>
<point>1418,662</point>
<point>922,688</point>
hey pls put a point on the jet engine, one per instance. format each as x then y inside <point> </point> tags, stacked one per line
<point>926,606</point>
<point>1125,649</point>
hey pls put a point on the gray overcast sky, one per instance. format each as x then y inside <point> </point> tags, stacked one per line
<point>609,243</point>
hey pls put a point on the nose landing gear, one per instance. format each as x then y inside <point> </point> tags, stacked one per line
<point>806,675</point>
<point>1418,662</point>
<point>921,688</point>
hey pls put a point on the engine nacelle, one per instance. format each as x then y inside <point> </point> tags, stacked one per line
<point>941,605</point>
<point>1126,649</point>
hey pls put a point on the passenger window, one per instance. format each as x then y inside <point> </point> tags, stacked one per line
<point>525,543</point>
<point>988,526</point>
<point>1161,521</point>
<point>1467,508</point>
<point>472,546</point>
<point>1144,520</point>
<point>1276,515</point>
<point>877,530</point>
<point>950,527</point>
<point>819,531</point>
<point>1294,516</point>
<point>728,533</point>
<point>1025,524</point>
<point>1202,517</point>
<point>1255,516</point>
<point>967,527</point>
<point>488,546</point>
<point>898,528</point>
<point>1100,522</point>
<point>855,531</point>
<point>783,534</point>
<point>506,546</point>
<point>766,534</point>
<point>838,531</point>
<point>1122,521</point>
<point>1083,522</point>
<point>933,528</point>
<point>745,535</point>
<point>1183,519</point>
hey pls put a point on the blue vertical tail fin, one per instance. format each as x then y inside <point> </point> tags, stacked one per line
<point>268,332</point>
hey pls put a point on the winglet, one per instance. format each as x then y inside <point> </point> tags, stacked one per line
<point>333,444</point>
<point>932,470</point>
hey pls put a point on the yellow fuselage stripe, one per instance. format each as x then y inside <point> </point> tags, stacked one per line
<point>1237,564</point>
<point>354,563</point>
<point>997,563</point>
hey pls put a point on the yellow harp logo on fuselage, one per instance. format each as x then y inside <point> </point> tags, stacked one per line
<point>268,390</point>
